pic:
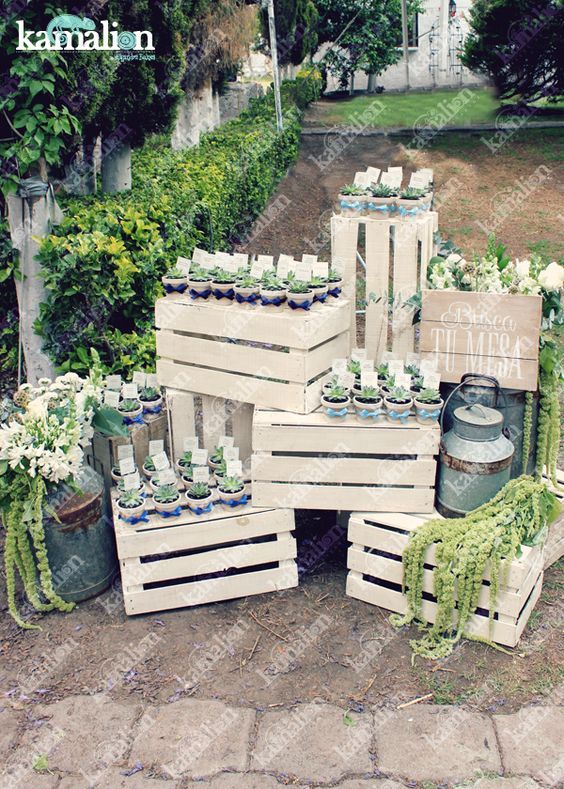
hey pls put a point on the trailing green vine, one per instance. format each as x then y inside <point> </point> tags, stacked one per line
<point>487,539</point>
<point>527,426</point>
<point>548,428</point>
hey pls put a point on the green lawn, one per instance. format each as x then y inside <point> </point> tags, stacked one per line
<point>405,110</point>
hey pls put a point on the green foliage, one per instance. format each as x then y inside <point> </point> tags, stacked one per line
<point>297,286</point>
<point>8,304</point>
<point>398,394</point>
<point>149,463</point>
<point>128,406</point>
<point>232,484</point>
<point>296,30</point>
<point>247,281</point>
<point>369,393</point>
<point>383,190</point>
<point>489,535</point>
<point>527,426</point>
<point>335,392</point>
<point>166,494</point>
<point>548,426</point>
<point>353,189</point>
<point>104,263</point>
<point>428,396</point>
<point>130,499</point>
<point>199,490</point>
<point>517,43</point>
<point>411,193</point>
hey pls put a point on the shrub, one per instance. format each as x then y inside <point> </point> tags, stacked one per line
<point>103,264</point>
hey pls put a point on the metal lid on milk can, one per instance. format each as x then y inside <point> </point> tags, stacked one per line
<point>477,422</point>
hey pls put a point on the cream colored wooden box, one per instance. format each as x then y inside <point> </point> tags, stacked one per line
<point>269,356</point>
<point>374,561</point>
<point>318,462</point>
<point>182,561</point>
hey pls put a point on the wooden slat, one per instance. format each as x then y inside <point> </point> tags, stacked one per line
<point>511,373</point>
<point>475,341</point>
<point>340,497</point>
<point>182,417</point>
<point>471,308</point>
<point>344,245</point>
<point>242,427</point>
<point>405,285</point>
<point>353,470</point>
<point>212,590</point>
<point>319,360</point>
<point>377,287</point>
<point>214,420</point>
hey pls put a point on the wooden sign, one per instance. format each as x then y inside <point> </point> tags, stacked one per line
<point>489,333</point>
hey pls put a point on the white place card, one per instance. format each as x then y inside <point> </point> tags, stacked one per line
<point>156,447</point>
<point>230,453</point>
<point>418,181</point>
<point>391,179</point>
<point>190,443</point>
<point>199,457</point>
<point>427,366</point>
<point>395,367</point>
<point>320,269</point>
<point>234,468</point>
<point>396,170</point>
<point>362,179</point>
<point>257,269</point>
<point>346,379</point>
<point>125,451</point>
<point>431,380</point>
<point>152,380</point>
<point>368,378</point>
<point>126,466</point>
<point>132,481</point>
<point>201,474</point>
<point>428,173</point>
<point>374,174</point>
<point>283,265</point>
<point>139,378</point>
<point>228,263</point>
<point>303,272</point>
<point>111,398</point>
<point>183,264</point>
<point>309,260</point>
<point>130,391</point>
<point>388,356</point>
<point>226,441</point>
<point>167,476</point>
<point>161,461</point>
<point>198,255</point>
<point>113,382</point>
<point>403,380</point>
<point>208,262</point>
<point>412,358</point>
<point>266,260</point>
<point>366,366</point>
<point>339,366</point>
<point>358,354</point>
<point>242,259</point>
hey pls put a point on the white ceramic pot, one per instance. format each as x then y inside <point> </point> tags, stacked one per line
<point>169,507</point>
<point>223,287</point>
<point>335,406</point>
<point>246,293</point>
<point>300,298</point>
<point>131,512</point>
<point>319,292</point>
<point>148,405</point>
<point>422,409</point>
<point>132,414</point>
<point>195,504</point>
<point>360,406</point>
<point>227,497</point>
<point>178,285</point>
<point>200,287</point>
<point>335,285</point>
<point>385,207</point>
<point>399,408</point>
<point>272,294</point>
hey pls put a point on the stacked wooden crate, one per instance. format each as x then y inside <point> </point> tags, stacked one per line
<point>375,576</point>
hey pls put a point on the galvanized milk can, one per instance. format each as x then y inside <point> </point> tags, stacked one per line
<point>475,458</point>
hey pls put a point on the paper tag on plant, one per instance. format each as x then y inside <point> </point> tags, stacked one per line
<point>125,451</point>
<point>229,263</point>
<point>190,443</point>
<point>199,255</point>
<point>320,269</point>
<point>374,174</point>
<point>418,180</point>
<point>339,366</point>
<point>266,260</point>
<point>152,380</point>
<point>403,380</point>
<point>428,174</point>
<point>395,367</point>
<point>111,399</point>
<point>427,366</point>
<point>132,481</point>
<point>358,354</point>
<point>388,356</point>
<point>431,380</point>
<point>113,382</point>
<point>309,260</point>
<point>368,378</point>
<point>230,453</point>
<point>126,466</point>
<point>167,476</point>
<point>366,366</point>
<point>208,262</point>
<point>130,391</point>
<point>242,259</point>
<point>234,468</point>
<point>183,264</point>
<point>139,378</point>
<point>161,461</point>
<point>413,358</point>
<point>362,179</point>
<point>226,441</point>
<point>156,447</point>
<point>303,272</point>
<point>283,266</point>
<point>391,179</point>
<point>347,379</point>
<point>199,457</point>
<point>257,269</point>
<point>201,474</point>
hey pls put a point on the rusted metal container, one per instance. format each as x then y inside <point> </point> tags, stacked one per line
<point>81,547</point>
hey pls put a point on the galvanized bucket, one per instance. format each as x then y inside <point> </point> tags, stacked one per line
<point>81,548</point>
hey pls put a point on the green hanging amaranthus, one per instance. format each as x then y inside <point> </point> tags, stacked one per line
<point>527,426</point>
<point>487,537</point>
<point>548,428</point>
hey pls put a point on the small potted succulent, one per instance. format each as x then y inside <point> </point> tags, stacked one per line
<point>184,461</point>
<point>223,284</point>
<point>140,488</point>
<point>199,497</point>
<point>428,406</point>
<point>300,295</point>
<point>155,483</point>
<point>320,287</point>
<point>335,284</point>
<point>175,281</point>
<point>412,369</point>
<point>151,399</point>
<point>199,282</point>
<point>149,467</point>
<point>411,202</point>
<point>335,401</point>
<point>216,458</point>
<point>116,474</point>
<point>332,381</point>
<point>382,201</point>
<point>166,499</point>
<point>231,490</point>
<point>247,289</point>
<point>131,410</point>
<point>368,402</point>
<point>353,199</point>
<point>272,291</point>
<point>387,385</point>
<point>131,505</point>
<point>398,402</point>
<point>220,471</point>
<point>416,385</point>
<point>187,475</point>
<point>383,372</point>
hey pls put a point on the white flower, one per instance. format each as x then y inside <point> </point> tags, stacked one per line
<point>522,267</point>
<point>453,258</point>
<point>552,278</point>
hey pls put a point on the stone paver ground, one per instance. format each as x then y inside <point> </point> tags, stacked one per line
<point>92,741</point>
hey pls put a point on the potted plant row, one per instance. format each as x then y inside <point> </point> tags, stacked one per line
<point>383,201</point>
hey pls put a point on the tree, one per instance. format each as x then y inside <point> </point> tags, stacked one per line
<point>518,44</point>
<point>368,34</point>
<point>296,30</point>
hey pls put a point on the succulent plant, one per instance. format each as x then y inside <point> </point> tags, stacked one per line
<point>247,280</point>
<point>353,366</point>
<point>353,189</point>
<point>398,394</point>
<point>128,405</point>
<point>368,393</point>
<point>149,463</point>
<point>220,275</point>
<point>298,286</point>
<point>175,273</point>
<point>334,275</point>
<point>429,396</point>
<point>411,193</point>
<point>166,494</point>
<point>199,274</point>
<point>383,190</point>
<point>271,282</point>
<point>336,392</point>
<point>317,282</point>
<point>232,484</point>
<point>217,455</point>
<point>198,490</point>
<point>186,459</point>
<point>149,393</point>
<point>130,499</point>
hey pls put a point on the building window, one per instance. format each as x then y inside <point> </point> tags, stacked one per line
<point>413,31</point>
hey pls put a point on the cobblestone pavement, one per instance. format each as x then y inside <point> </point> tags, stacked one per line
<point>92,741</point>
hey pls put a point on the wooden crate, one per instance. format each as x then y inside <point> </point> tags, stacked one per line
<point>396,257</point>
<point>489,333</point>
<point>318,462</point>
<point>183,561</point>
<point>375,576</point>
<point>265,356</point>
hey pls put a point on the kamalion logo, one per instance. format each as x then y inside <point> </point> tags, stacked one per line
<point>74,33</point>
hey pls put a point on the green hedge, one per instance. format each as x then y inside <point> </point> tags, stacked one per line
<point>104,262</point>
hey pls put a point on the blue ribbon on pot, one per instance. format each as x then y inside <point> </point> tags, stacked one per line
<point>408,211</point>
<point>246,299</point>
<point>220,294</point>
<point>130,420</point>
<point>356,205</point>
<point>423,414</point>
<point>365,413</point>
<point>336,292</point>
<point>379,207</point>
<point>335,412</point>
<point>304,306</point>
<point>321,298</point>
<point>153,410</point>
<point>141,519</point>
<point>199,294</point>
<point>277,301</point>
<point>172,514</point>
<point>399,416</point>
<point>175,288</point>
<point>238,503</point>
<point>202,510</point>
